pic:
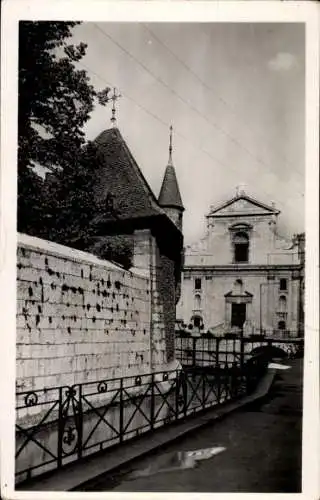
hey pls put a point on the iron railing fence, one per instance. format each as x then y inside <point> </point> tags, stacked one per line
<point>275,334</point>
<point>278,334</point>
<point>214,351</point>
<point>62,424</point>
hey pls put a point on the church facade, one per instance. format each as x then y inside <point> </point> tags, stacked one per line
<point>242,276</point>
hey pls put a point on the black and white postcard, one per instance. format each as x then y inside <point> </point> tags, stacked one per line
<point>159,248</point>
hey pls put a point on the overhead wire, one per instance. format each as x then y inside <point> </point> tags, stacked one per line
<point>177,132</point>
<point>208,87</point>
<point>174,92</point>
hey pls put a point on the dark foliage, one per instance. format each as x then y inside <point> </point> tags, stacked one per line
<point>55,102</point>
<point>117,248</point>
<point>53,94</point>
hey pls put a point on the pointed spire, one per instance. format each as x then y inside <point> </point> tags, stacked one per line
<point>169,193</point>
<point>170,147</point>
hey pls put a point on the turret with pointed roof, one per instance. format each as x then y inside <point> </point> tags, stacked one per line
<point>170,197</point>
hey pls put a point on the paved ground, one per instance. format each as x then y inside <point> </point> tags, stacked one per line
<point>258,449</point>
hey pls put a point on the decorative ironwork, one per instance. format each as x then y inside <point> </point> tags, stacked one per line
<point>70,392</point>
<point>31,399</point>
<point>94,415</point>
<point>69,436</point>
<point>181,400</point>
<point>102,387</point>
<point>216,351</point>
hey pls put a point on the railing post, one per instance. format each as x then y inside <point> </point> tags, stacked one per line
<point>60,429</point>
<point>152,402</point>
<point>234,381</point>
<point>217,351</point>
<point>202,374</point>
<point>185,392</point>
<point>80,421</point>
<point>121,411</point>
<point>177,395</point>
<point>194,346</point>
<point>242,341</point>
<point>218,380</point>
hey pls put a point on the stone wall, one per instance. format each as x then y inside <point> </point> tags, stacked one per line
<point>82,319</point>
<point>78,318</point>
<point>161,271</point>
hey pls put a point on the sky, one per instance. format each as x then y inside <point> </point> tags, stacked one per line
<point>234,94</point>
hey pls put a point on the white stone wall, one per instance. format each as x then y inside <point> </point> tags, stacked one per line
<point>160,270</point>
<point>78,318</point>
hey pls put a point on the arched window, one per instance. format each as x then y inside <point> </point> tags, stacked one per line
<point>282,304</point>
<point>241,247</point>
<point>197,321</point>
<point>197,301</point>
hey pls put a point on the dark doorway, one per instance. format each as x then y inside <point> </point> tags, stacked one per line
<point>238,315</point>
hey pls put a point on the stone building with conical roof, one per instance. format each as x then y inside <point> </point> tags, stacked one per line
<point>153,228</point>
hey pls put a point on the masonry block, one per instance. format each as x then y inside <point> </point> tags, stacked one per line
<point>80,318</point>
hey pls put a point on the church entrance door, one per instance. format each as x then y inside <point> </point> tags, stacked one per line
<point>238,315</point>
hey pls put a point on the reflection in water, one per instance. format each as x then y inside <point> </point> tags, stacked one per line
<point>100,424</point>
<point>176,461</point>
<point>277,366</point>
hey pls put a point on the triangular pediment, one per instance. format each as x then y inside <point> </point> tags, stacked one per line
<point>242,205</point>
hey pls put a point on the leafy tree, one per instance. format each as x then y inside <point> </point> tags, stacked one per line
<point>55,101</point>
<point>118,248</point>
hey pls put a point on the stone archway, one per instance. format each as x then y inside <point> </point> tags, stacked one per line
<point>269,352</point>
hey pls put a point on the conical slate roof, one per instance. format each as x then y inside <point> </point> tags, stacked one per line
<point>121,176</point>
<point>169,193</point>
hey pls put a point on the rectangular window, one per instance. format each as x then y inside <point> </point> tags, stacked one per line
<point>241,253</point>
<point>283,284</point>
<point>197,284</point>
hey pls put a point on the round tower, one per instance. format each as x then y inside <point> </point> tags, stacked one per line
<point>170,197</point>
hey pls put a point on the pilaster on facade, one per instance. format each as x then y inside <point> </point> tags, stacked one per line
<point>142,250</point>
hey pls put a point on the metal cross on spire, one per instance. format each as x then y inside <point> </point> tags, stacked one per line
<point>113,98</point>
<point>240,189</point>
<point>170,146</point>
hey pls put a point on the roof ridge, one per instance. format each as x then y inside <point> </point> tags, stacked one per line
<point>254,201</point>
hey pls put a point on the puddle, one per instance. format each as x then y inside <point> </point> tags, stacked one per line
<point>178,460</point>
